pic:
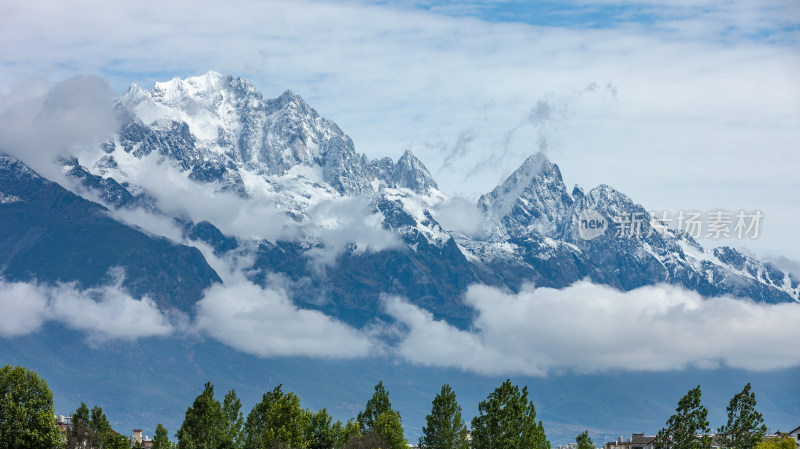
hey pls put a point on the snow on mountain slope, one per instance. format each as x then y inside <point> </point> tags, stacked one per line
<point>532,200</point>
<point>292,175</point>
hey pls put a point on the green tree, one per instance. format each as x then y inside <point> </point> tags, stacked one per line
<point>349,432</point>
<point>390,426</point>
<point>81,434</point>
<point>784,442</point>
<point>377,404</point>
<point>688,427</point>
<point>370,440</point>
<point>278,420</point>
<point>232,409</point>
<point>507,420</point>
<point>98,420</point>
<point>321,433</point>
<point>108,438</point>
<point>745,427</point>
<point>204,426</point>
<point>444,429</point>
<point>583,440</point>
<point>113,440</point>
<point>161,438</point>
<point>26,411</point>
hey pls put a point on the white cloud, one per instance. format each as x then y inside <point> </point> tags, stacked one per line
<point>179,196</point>
<point>460,215</point>
<point>588,327</point>
<point>24,307</point>
<point>332,224</point>
<point>340,222</point>
<point>258,320</point>
<point>38,126</point>
<point>103,313</point>
<point>265,322</point>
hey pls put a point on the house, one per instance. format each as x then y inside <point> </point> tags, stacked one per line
<point>63,423</point>
<point>636,441</point>
<point>137,438</point>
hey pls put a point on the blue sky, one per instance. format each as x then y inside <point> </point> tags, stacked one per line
<point>680,104</point>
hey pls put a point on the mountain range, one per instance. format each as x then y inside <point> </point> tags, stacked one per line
<point>205,180</point>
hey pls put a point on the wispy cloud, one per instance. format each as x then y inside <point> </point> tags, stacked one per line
<point>589,328</point>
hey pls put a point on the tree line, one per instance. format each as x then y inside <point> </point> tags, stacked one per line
<point>506,420</point>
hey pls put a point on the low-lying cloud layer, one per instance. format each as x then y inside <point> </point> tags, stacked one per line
<point>588,327</point>
<point>536,332</point>
<point>103,313</point>
<point>265,322</point>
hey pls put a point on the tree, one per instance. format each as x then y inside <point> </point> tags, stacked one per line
<point>108,438</point>
<point>99,421</point>
<point>783,442</point>
<point>204,426</point>
<point>377,404</point>
<point>278,420</point>
<point>583,440</point>
<point>688,427</point>
<point>26,411</point>
<point>390,426</point>
<point>161,439</point>
<point>81,434</point>
<point>92,430</point>
<point>370,440</point>
<point>378,417</point>
<point>745,427</point>
<point>445,429</point>
<point>321,433</point>
<point>349,432</point>
<point>232,409</point>
<point>507,420</point>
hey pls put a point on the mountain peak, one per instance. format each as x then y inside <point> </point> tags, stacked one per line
<point>410,172</point>
<point>178,89</point>
<point>289,96</point>
<point>532,199</point>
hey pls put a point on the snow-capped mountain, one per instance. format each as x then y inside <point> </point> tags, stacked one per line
<point>220,129</point>
<point>354,229</point>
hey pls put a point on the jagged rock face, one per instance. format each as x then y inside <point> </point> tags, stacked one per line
<point>533,213</point>
<point>219,129</point>
<point>343,169</point>
<point>533,199</point>
<point>411,174</point>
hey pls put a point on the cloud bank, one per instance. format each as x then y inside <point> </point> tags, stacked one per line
<point>588,328</point>
<point>37,126</point>
<point>103,313</point>
<point>537,332</point>
<point>265,322</point>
